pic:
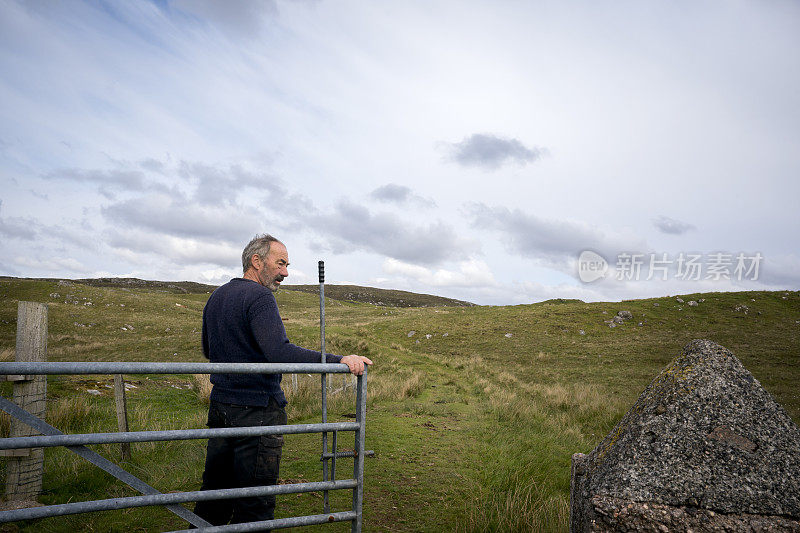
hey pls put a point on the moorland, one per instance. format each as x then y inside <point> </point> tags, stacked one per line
<point>473,411</point>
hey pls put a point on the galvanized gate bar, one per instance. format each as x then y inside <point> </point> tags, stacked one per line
<point>54,437</point>
<point>358,463</point>
<point>100,367</point>
<point>97,460</point>
<point>296,521</point>
<point>77,439</point>
<point>114,504</point>
<point>339,455</point>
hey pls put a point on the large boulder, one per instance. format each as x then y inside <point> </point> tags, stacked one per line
<point>705,448</point>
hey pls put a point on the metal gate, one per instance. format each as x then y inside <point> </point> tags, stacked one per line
<point>150,496</point>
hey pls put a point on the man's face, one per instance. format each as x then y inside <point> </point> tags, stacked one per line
<point>273,266</point>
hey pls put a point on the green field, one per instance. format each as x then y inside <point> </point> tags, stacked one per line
<point>473,418</point>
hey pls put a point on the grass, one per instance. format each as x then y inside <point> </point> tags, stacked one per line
<point>473,418</point>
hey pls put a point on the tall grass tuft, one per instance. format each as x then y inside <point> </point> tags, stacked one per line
<point>70,414</point>
<point>202,385</point>
<point>412,386</point>
<point>524,506</point>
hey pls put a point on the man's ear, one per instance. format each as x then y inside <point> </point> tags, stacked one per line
<point>255,262</point>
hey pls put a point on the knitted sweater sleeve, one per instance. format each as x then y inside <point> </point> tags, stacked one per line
<point>269,333</point>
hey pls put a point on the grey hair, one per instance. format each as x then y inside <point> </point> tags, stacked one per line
<point>258,246</point>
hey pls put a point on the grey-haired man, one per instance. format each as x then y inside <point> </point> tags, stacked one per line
<point>241,324</point>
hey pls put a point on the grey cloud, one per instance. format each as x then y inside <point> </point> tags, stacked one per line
<point>216,185</point>
<point>79,233</point>
<point>191,201</point>
<point>399,194</point>
<point>67,232</point>
<point>18,227</point>
<point>665,224</point>
<point>555,241</point>
<point>162,214</point>
<point>391,192</point>
<point>352,226</point>
<point>152,165</point>
<point>108,181</point>
<point>490,152</point>
<point>202,252</point>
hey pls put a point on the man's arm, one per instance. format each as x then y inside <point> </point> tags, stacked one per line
<point>268,330</point>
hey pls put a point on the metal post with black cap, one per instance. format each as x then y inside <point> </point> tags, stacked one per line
<point>321,264</point>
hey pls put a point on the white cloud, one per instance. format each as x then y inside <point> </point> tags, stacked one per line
<point>354,227</point>
<point>216,276</point>
<point>780,270</point>
<point>178,250</point>
<point>552,241</point>
<point>471,273</point>
<point>158,138</point>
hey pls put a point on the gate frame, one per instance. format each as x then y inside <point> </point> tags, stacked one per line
<point>77,443</point>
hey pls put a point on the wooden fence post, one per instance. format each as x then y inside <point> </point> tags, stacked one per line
<point>25,467</point>
<point>122,413</point>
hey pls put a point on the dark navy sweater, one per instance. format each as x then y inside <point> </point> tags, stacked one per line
<point>241,324</point>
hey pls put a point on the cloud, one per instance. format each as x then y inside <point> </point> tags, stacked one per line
<point>391,192</point>
<point>234,18</point>
<point>780,270</point>
<point>179,250</point>
<point>109,182</point>
<point>665,224</point>
<point>217,276</point>
<point>352,226</point>
<point>172,216</point>
<point>471,273</point>
<point>490,152</point>
<point>9,270</point>
<point>215,185</point>
<point>186,212</point>
<point>152,165</point>
<point>18,227</point>
<point>399,194</point>
<point>79,233</point>
<point>554,242</point>
<point>52,264</point>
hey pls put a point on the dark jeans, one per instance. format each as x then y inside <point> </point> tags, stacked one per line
<point>241,462</point>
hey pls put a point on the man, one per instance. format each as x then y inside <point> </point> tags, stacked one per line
<point>241,324</point>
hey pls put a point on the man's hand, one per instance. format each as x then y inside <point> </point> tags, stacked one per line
<point>356,363</point>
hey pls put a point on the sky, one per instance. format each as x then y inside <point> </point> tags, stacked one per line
<point>500,152</point>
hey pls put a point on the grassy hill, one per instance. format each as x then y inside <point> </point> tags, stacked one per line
<point>473,417</point>
<point>382,297</point>
<point>350,293</point>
